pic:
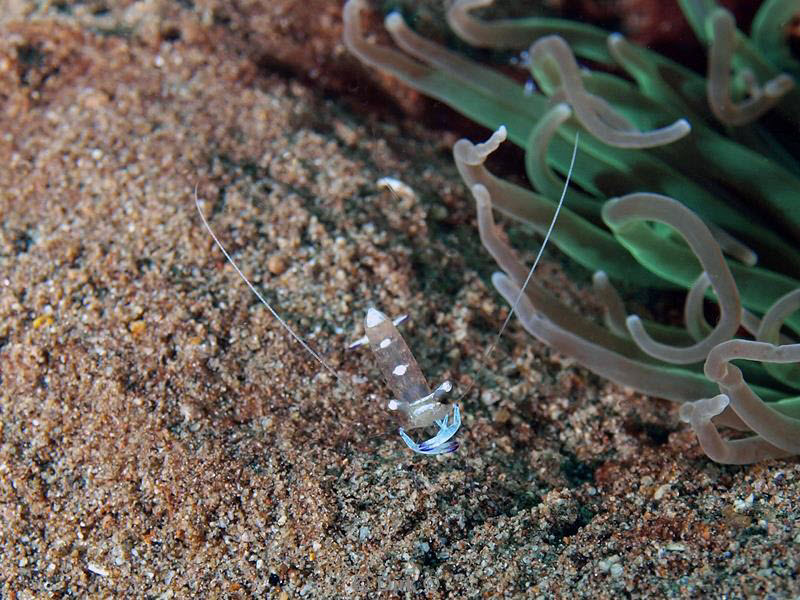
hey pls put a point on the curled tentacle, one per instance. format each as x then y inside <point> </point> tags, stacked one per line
<point>776,427</point>
<point>730,452</point>
<point>554,67</point>
<point>760,100</point>
<point>630,211</point>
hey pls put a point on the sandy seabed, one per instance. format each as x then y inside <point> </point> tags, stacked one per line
<point>162,437</point>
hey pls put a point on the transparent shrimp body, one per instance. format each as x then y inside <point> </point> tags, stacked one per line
<point>419,406</point>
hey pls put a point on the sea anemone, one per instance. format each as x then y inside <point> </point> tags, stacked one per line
<point>685,183</point>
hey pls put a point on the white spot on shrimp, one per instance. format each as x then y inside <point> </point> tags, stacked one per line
<point>393,405</point>
<point>400,370</point>
<point>385,342</point>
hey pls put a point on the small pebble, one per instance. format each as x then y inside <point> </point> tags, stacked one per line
<point>276,264</point>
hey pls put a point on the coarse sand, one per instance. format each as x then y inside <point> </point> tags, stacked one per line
<point>162,437</point>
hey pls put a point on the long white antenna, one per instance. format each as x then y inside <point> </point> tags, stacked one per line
<point>283,323</point>
<point>544,243</point>
<point>491,348</point>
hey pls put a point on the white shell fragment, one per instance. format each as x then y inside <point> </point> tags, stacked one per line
<point>401,189</point>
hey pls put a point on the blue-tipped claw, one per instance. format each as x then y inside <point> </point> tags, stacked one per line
<point>440,443</point>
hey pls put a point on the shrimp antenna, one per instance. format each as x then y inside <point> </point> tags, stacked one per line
<point>491,348</point>
<point>541,248</point>
<point>253,289</point>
